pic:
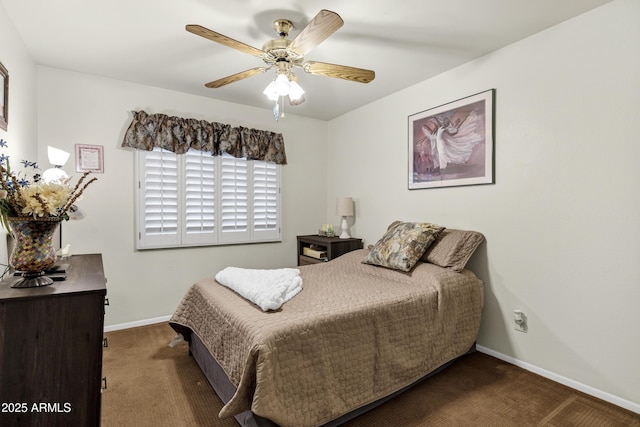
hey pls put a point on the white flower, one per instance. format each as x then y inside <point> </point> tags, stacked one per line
<point>45,199</point>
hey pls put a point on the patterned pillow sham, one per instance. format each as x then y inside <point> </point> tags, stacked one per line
<point>402,245</point>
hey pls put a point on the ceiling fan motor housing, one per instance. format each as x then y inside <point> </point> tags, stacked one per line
<point>277,50</point>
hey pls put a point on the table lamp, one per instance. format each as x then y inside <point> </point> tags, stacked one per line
<point>344,208</point>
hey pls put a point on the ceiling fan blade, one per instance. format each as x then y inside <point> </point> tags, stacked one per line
<point>321,26</point>
<point>227,41</point>
<point>235,77</point>
<point>339,71</point>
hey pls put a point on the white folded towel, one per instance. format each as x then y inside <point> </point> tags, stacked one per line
<point>268,289</point>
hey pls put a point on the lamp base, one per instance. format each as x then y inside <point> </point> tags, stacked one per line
<point>345,229</point>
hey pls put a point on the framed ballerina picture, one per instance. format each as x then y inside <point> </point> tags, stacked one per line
<point>452,144</point>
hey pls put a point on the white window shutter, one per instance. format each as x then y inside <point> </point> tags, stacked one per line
<point>234,200</point>
<point>199,198</point>
<point>158,199</point>
<point>266,201</point>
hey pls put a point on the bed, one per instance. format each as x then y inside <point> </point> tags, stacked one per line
<point>355,336</point>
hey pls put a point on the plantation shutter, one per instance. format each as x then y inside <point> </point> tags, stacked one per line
<point>196,199</point>
<point>199,198</point>
<point>266,201</point>
<point>234,199</point>
<point>158,199</point>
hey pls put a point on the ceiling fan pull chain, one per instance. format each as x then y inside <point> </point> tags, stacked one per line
<point>276,111</point>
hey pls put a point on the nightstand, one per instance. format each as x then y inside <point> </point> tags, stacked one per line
<point>324,248</point>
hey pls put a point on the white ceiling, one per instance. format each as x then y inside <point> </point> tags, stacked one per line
<point>404,42</point>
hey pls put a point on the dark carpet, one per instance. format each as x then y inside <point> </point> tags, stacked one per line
<point>152,384</point>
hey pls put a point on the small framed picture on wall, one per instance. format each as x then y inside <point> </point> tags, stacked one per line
<point>89,158</point>
<point>4,97</point>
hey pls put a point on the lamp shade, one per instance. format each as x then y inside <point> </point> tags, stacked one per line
<point>295,91</point>
<point>57,157</point>
<point>282,85</point>
<point>344,206</point>
<point>271,92</point>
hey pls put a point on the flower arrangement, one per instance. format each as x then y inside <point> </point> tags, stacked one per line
<point>26,195</point>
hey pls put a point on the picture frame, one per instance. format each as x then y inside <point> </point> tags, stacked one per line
<point>89,158</point>
<point>453,144</point>
<point>4,97</point>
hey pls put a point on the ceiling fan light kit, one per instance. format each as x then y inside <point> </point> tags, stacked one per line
<point>284,54</point>
<point>282,86</point>
<point>285,84</point>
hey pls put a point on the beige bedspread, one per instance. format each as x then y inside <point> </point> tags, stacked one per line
<point>355,334</point>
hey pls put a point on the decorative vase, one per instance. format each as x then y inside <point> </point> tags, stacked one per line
<point>33,252</point>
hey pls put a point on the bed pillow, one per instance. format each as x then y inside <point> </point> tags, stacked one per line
<point>402,245</point>
<point>453,248</point>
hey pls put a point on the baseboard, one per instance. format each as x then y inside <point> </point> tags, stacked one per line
<point>607,397</point>
<point>137,323</point>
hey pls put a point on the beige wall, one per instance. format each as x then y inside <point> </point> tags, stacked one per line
<point>77,108</point>
<point>562,221</point>
<point>21,129</point>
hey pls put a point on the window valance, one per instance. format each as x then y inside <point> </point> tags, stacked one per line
<point>178,134</point>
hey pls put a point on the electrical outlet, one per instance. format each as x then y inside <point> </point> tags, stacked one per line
<point>520,320</point>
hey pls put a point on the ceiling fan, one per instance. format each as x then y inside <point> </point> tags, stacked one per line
<point>285,54</point>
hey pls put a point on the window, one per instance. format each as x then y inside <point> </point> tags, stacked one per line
<point>197,199</point>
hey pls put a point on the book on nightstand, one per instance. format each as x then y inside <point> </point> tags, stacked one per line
<point>314,253</point>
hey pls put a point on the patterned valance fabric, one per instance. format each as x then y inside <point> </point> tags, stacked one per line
<point>178,134</point>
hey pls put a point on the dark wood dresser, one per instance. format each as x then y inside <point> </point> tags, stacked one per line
<point>51,341</point>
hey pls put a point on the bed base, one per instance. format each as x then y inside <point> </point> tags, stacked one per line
<point>225,389</point>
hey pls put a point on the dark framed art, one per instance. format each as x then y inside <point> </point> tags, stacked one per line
<point>4,97</point>
<point>452,144</point>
